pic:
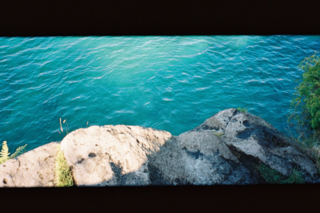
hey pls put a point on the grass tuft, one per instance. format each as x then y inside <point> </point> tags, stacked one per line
<point>270,175</point>
<point>4,154</point>
<point>274,177</point>
<point>242,109</point>
<point>63,177</point>
<point>295,177</point>
<point>218,134</point>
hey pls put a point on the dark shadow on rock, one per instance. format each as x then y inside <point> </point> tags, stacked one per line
<point>250,162</point>
<point>195,155</point>
<point>156,177</point>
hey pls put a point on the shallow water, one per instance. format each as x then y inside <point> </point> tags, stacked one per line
<point>171,83</point>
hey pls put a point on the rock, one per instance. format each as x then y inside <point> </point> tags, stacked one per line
<point>34,168</point>
<point>111,155</point>
<point>259,142</point>
<point>227,148</point>
<point>181,161</point>
<point>136,156</point>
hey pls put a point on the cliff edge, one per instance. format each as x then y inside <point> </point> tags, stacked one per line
<point>228,149</point>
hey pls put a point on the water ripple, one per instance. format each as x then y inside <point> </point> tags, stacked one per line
<point>171,83</point>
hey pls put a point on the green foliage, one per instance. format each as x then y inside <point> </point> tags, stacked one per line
<point>270,175</point>
<point>274,177</point>
<point>295,177</point>
<point>4,154</point>
<point>242,109</point>
<point>307,97</point>
<point>63,175</point>
<point>19,151</point>
<point>306,110</point>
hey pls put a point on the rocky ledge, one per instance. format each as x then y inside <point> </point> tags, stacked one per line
<point>227,148</point>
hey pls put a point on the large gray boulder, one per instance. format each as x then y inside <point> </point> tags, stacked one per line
<point>112,155</point>
<point>226,149</point>
<point>34,168</point>
<point>255,141</point>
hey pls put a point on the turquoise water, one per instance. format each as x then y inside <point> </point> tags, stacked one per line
<point>170,83</point>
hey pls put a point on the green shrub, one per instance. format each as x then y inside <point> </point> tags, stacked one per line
<point>4,154</point>
<point>295,177</point>
<point>270,175</point>
<point>274,177</point>
<point>306,110</point>
<point>63,175</point>
<point>242,109</point>
<point>307,98</point>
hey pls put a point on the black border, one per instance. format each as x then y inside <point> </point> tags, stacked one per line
<point>249,198</point>
<point>158,17</point>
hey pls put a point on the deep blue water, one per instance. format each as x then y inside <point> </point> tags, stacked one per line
<point>171,83</point>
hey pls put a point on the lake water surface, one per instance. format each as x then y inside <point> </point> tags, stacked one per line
<point>171,83</point>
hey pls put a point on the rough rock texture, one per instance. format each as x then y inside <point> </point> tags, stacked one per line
<point>34,168</point>
<point>111,155</point>
<point>135,156</point>
<point>256,141</point>
<point>227,148</point>
<point>193,159</point>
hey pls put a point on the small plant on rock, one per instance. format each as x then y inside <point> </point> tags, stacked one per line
<point>218,134</point>
<point>270,175</point>
<point>63,175</point>
<point>242,109</point>
<point>274,177</point>
<point>295,177</point>
<point>4,154</point>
